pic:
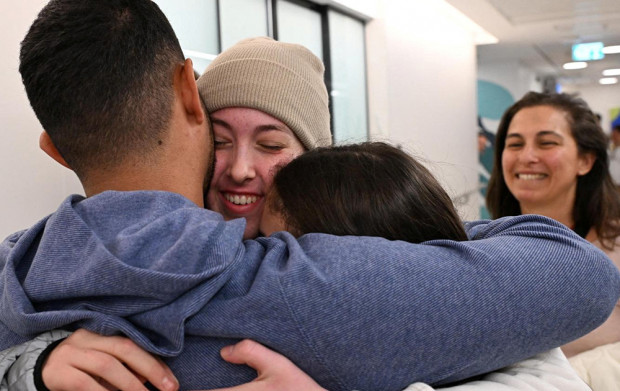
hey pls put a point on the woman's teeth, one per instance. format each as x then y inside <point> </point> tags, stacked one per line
<point>530,177</point>
<point>240,200</point>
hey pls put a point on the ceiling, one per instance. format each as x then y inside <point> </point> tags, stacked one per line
<point>539,34</point>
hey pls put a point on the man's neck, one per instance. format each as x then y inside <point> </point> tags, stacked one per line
<point>132,178</point>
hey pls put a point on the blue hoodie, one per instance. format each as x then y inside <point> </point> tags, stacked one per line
<point>353,312</point>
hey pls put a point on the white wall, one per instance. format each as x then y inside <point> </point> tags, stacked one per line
<point>601,99</point>
<point>422,90</point>
<point>32,184</point>
<point>422,95</point>
<point>516,78</point>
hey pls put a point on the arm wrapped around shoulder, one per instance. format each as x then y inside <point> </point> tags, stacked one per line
<point>584,280</point>
<point>443,311</point>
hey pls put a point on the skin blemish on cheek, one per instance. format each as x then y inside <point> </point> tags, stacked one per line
<point>160,142</point>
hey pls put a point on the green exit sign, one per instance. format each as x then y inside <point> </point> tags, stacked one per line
<point>588,51</point>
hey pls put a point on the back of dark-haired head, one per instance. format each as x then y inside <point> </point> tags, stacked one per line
<point>98,75</point>
<point>597,204</point>
<point>368,189</point>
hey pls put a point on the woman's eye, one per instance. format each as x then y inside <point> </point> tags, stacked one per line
<point>272,147</point>
<point>548,143</point>
<point>514,145</point>
<point>220,143</point>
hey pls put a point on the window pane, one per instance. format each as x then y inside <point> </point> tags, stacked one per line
<point>348,64</point>
<point>195,23</point>
<point>242,19</point>
<point>297,24</point>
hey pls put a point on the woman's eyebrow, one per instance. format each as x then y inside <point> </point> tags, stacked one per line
<point>549,133</point>
<point>260,128</point>
<point>270,127</point>
<point>220,122</point>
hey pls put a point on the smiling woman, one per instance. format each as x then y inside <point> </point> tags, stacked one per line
<point>268,104</point>
<point>541,162</point>
<point>551,159</point>
<point>248,145</point>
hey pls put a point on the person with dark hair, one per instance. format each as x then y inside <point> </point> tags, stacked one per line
<point>87,137</point>
<point>368,189</point>
<point>551,159</point>
<point>599,118</point>
<point>614,153</point>
<point>140,256</point>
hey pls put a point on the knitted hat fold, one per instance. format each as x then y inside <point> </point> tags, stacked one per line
<point>281,79</point>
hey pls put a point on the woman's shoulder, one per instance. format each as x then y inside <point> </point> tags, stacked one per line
<point>613,253</point>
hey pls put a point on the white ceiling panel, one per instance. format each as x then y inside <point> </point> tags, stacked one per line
<point>540,33</point>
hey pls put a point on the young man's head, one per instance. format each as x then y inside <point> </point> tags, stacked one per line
<point>100,76</point>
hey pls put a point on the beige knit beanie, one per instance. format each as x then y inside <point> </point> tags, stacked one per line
<point>281,79</point>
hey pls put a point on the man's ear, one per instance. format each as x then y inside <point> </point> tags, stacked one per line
<point>189,92</point>
<point>47,145</point>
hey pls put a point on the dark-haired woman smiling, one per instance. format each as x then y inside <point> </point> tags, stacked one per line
<point>551,159</point>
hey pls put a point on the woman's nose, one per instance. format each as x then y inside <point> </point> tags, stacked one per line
<point>242,168</point>
<point>529,154</point>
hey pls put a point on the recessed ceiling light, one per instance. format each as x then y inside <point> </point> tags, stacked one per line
<point>611,49</point>
<point>575,65</point>
<point>608,80</point>
<point>611,72</point>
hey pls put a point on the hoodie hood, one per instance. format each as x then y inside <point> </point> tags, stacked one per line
<point>91,247</point>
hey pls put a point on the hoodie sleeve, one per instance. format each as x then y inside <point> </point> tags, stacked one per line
<point>445,310</point>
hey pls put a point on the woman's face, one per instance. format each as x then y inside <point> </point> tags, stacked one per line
<point>540,161</point>
<point>249,145</point>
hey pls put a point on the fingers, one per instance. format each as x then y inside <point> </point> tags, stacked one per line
<point>85,358</point>
<point>275,372</point>
<point>71,379</point>
<point>144,364</point>
<point>255,355</point>
<point>81,362</point>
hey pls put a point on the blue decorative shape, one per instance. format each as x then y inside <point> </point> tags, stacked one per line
<point>493,100</point>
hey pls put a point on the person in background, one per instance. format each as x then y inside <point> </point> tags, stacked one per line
<point>599,118</point>
<point>486,142</point>
<point>614,153</point>
<point>551,159</point>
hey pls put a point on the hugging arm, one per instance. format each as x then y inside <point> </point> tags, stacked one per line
<point>546,371</point>
<point>82,361</point>
<point>382,314</point>
<point>549,371</point>
<point>104,360</point>
<point>447,310</point>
